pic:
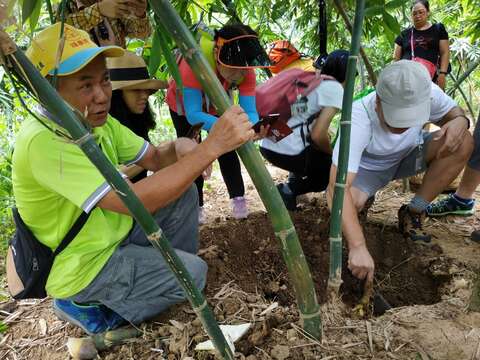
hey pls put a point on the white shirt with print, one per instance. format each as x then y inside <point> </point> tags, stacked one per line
<point>373,147</point>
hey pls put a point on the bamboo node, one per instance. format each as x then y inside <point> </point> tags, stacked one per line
<point>340,185</point>
<point>283,234</point>
<point>189,53</point>
<point>82,140</point>
<point>198,310</point>
<point>311,315</point>
<point>156,236</point>
<point>345,122</point>
<point>339,238</point>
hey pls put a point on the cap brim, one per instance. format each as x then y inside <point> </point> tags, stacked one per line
<point>244,53</point>
<point>406,117</point>
<point>84,57</point>
<point>149,84</point>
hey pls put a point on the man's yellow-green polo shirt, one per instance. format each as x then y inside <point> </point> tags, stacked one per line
<point>53,182</point>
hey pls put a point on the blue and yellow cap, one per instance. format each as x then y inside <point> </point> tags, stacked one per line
<point>78,51</point>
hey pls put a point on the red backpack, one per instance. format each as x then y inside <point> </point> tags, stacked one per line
<point>278,93</point>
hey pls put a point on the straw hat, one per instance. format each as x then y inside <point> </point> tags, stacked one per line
<point>129,72</point>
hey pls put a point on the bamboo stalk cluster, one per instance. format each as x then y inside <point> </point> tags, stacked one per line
<point>287,237</point>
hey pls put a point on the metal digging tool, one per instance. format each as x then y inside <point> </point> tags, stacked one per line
<point>370,298</point>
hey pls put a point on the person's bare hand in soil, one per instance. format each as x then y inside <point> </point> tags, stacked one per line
<point>360,262</point>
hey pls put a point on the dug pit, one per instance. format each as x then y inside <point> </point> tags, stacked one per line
<point>246,253</point>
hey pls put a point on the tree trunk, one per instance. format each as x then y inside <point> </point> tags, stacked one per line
<point>341,10</point>
<point>322,28</point>
<point>466,74</point>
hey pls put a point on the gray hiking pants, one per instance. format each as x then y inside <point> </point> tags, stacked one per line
<point>136,282</point>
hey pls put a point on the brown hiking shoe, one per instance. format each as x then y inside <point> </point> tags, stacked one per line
<point>410,224</point>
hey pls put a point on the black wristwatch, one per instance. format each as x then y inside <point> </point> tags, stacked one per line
<point>442,72</point>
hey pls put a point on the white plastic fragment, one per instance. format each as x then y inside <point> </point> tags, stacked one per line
<point>272,307</point>
<point>232,333</point>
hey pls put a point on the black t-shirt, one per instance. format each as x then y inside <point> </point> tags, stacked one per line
<point>426,42</point>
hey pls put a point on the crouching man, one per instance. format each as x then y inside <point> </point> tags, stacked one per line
<point>109,273</point>
<point>388,143</point>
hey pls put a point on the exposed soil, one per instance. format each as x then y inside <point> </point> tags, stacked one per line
<point>247,253</point>
<point>248,282</point>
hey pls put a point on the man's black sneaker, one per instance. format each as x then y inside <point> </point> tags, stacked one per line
<point>410,224</point>
<point>289,198</point>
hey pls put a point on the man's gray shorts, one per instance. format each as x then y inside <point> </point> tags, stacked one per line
<point>136,282</point>
<point>474,161</point>
<point>370,182</point>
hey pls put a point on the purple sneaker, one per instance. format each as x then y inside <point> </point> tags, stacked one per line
<point>239,207</point>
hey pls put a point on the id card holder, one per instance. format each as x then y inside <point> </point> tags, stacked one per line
<point>419,156</point>
<point>299,106</point>
<point>419,159</point>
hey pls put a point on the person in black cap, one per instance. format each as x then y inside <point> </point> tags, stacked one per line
<point>307,152</point>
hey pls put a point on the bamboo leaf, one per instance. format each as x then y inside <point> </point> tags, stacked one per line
<point>33,20</point>
<point>11,5</point>
<point>28,6</point>
<point>371,3</point>
<point>168,55</point>
<point>374,10</point>
<point>155,52</point>
<point>394,4</point>
<point>391,23</point>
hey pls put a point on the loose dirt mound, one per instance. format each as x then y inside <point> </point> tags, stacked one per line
<point>248,282</point>
<point>247,253</point>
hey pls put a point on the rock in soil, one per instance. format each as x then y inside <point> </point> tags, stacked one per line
<point>280,352</point>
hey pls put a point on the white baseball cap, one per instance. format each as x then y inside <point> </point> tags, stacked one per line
<point>404,88</point>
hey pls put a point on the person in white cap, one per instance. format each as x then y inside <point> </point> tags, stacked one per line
<point>388,143</point>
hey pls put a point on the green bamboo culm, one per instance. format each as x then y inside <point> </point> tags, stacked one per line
<point>167,53</point>
<point>335,274</point>
<point>462,78</point>
<point>292,253</point>
<point>50,11</point>
<point>84,139</point>
<point>61,43</point>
